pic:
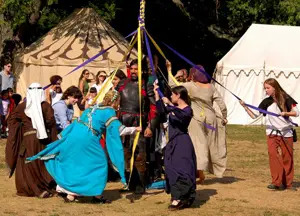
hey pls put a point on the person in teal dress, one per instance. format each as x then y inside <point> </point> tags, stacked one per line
<point>77,162</point>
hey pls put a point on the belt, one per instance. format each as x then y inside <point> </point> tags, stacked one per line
<point>27,133</point>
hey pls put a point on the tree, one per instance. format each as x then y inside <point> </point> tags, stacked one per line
<point>30,19</point>
<point>204,30</point>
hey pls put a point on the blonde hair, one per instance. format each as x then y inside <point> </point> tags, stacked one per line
<point>112,99</point>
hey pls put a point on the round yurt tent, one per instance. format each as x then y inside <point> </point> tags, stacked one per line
<point>76,39</point>
<point>264,51</point>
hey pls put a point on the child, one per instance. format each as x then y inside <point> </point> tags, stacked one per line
<point>5,112</point>
<point>89,98</point>
<point>179,154</point>
<point>12,103</point>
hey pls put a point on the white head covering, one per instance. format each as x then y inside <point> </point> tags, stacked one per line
<point>35,96</point>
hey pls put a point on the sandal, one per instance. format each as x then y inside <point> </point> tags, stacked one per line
<point>67,199</point>
<point>45,194</point>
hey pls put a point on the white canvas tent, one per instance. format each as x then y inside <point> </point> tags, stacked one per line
<point>79,37</point>
<point>264,51</point>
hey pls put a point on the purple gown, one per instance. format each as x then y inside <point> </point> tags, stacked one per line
<point>179,154</point>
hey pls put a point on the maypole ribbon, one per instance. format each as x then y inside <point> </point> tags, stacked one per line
<point>151,62</point>
<point>169,72</point>
<point>209,76</point>
<point>105,87</point>
<point>163,55</point>
<point>92,58</point>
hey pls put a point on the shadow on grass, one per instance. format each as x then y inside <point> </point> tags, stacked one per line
<point>111,195</point>
<point>133,197</point>
<point>224,180</point>
<point>296,184</point>
<point>203,196</point>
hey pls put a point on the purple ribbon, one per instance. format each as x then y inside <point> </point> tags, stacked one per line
<point>151,61</point>
<point>200,69</point>
<point>237,97</point>
<point>92,58</point>
<point>47,86</point>
<point>97,55</point>
<point>270,113</point>
<point>153,74</point>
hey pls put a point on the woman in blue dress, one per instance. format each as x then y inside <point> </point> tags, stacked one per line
<point>179,154</point>
<point>77,162</point>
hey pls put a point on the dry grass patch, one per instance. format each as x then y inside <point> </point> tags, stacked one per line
<point>241,192</point>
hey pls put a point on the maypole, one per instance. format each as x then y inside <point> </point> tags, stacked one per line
<point>140,31</point>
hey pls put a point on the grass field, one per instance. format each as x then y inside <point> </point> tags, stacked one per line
<point>241,192</point>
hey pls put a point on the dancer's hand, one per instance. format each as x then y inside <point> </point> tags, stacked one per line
<point>156,87</point>
<point>168,65</point>
<point>242,103</point>
<point>283,114</point>
<point>166,100</point>
<point>138,129</point>
<point>148,132</point>
<point>224,122</point>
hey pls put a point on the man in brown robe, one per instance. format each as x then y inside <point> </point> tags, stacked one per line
<point>31,127</point>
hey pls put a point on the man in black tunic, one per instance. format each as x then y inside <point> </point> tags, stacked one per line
<point>129,116</point>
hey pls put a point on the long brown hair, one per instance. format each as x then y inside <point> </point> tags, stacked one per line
<point>97,76</point>
<point>81,76</point>
<point>280,94</point>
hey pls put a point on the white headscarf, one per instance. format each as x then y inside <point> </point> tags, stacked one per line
<point>34,98</point>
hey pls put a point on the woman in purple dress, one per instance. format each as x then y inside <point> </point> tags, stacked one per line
<point>179,154</point>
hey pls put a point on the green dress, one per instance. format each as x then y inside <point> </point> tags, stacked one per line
<point>85,87</point>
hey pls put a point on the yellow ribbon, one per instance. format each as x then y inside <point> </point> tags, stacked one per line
<point>163,55</point>
<point>136,139</point>
<point>106,86</point>
<point>202,113</point>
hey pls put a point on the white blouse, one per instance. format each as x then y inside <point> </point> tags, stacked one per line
<point>281,124</point>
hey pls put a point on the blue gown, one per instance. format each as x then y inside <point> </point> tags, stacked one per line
<point>77,161</point>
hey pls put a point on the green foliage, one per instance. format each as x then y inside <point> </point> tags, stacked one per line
<point>107,11</point>
<point>289,12</point>
<point>18,12</point>
<point>49,18</point>
<point>242,13</point>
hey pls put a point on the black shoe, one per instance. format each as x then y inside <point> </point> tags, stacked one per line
<point>274,187</point>
<point>179,206</point>
<point>100,200</point>
<point>139,189</point>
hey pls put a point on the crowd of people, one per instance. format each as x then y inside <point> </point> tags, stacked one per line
<point>181,134</point>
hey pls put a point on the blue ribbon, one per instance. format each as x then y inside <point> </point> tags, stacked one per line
<point>208,75</point>
<point>153,73</point>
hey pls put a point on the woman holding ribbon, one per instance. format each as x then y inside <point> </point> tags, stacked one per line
<point>207,127</point>
<point>279,131</point>
<point>179,154</point>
